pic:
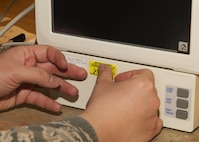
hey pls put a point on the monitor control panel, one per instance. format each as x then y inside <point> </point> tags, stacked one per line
<point>177,102</point>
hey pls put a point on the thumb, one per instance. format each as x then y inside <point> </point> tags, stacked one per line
<point>104,73</point>
<point>105,76</point>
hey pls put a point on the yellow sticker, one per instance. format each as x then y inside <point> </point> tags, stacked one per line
<point>93,67</point>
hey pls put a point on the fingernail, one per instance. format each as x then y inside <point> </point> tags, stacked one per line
<point>83,74</point>
<point>101,68</point>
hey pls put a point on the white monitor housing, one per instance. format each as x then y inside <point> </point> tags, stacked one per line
<point>176,70</point>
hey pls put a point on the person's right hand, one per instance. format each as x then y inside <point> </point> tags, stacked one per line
<point>24,68</point>
<point>124,110</point>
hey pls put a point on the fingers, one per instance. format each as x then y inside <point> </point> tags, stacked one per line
<point>75,73</point>
<point>48,59</point>
<point>67,88</point>
<point>40,100</point>
<point>137,73</point>
<point>44,53</point>
<point>72,72</point>
<point>53,61</point>
<point>36,76</point>
<point>134,73</point>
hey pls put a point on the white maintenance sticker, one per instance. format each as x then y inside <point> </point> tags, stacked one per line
<point>77,61</point>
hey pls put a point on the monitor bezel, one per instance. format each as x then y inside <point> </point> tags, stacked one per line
<point>188,63</point>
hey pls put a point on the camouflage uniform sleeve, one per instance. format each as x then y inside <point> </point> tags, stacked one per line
<point>74,129</point>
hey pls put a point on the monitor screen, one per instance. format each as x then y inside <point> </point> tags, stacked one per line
<point>143,23</point>
<point>154,33</point>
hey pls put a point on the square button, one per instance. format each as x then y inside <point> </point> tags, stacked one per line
<point>181,114</point>
<point>181,92</point>
<point>182,104</point>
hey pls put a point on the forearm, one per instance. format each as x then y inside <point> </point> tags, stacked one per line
<point>67,130</point>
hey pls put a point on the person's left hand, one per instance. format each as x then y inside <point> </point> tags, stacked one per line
<point>24,68</point>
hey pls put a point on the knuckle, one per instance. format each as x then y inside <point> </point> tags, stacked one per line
<point>42,75</point>
<point>156,103</point>
<point>149,73</point>
<point>145,82</point>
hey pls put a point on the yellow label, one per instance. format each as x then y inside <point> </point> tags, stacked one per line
<point>93,67</point>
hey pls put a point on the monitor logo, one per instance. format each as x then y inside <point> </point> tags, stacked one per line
<point>183,47</point>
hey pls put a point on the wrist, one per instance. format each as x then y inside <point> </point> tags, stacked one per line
<point>86,127</point>
<point>100,129</point>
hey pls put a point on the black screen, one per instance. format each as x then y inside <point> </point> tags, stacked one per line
<point>163,25</point>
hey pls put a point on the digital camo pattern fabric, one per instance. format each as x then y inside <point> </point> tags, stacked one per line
<point>73,129</point>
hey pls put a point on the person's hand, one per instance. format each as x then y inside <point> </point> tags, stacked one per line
<point>24,68</point>
<point>124,110</point>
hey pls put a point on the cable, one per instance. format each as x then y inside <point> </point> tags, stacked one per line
<point>6,10</point>
<point>11,44</point>
<point>6,46</point>
<point>17,18</point>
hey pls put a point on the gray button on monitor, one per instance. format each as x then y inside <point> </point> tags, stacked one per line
<point>181,114</point>
<point>181,92</point>
<point>182,103</point>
